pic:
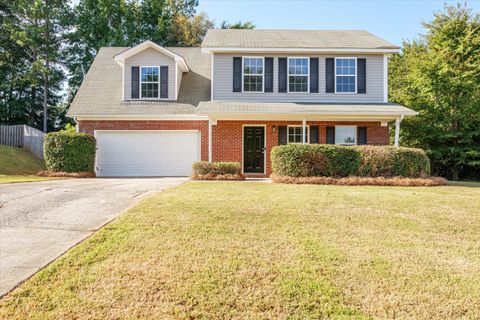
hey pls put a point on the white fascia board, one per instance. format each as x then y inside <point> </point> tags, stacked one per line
<point>311,50</point>
<point>307,117</point>
<point>193,117</point>
<point>121,57</point>
<point>315,113</point>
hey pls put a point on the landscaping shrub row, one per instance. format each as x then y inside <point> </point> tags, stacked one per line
<point>315,160</point>
<point>204,170</point>
<point>69,152</point>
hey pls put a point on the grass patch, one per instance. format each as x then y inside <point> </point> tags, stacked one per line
<point>18,161</point>
<point>271,251</point>
<point>24,178</point>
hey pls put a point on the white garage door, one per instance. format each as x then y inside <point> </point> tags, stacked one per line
<point>146,153</point>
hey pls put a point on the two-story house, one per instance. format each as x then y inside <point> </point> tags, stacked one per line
<point>154,110</point>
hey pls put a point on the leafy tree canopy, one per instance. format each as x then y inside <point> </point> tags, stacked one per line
<point>438,75</point>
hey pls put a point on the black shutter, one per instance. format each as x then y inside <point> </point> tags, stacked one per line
<point>314,134</point>
<point>330,75</point>
<point>237,74</point>
<point>135,83</point>
<point>282,74</point>
<point>330,135</point>
<point>268,74</point>
<point>282,135</point>
<point>361,75</point>
<point>362,135</point>
<point>164,82</point>
<point>313,75</point>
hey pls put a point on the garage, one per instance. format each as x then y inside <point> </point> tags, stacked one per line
<point>146,153</point>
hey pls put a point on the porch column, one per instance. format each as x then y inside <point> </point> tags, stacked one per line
<point>304,129</point>
<point>397,130</point>
<point>210,123</point>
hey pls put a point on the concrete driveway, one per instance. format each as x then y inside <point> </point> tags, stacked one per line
<point>39,221</point>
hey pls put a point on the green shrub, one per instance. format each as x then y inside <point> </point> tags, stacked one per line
<point>314,160</point>
<point>69,152</point>
<point>201,168</point>
<point>388,161</point>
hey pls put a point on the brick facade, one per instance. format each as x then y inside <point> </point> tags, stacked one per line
<point>227,135</point>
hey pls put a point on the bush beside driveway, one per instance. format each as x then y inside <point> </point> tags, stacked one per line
<point>253,250</point>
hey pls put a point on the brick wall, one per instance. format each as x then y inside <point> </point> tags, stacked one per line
<point>227,135</point>
<point>202,126</point>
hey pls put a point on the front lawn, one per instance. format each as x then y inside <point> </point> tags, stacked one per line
<point>268,251</point>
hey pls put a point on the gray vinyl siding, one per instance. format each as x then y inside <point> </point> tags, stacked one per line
<point>150,57</point>
<point>223,78</point>
<point>179,79</point>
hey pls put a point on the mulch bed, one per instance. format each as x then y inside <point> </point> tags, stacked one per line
<point>66,174</point>
<point>363,181</point>
<point>226,177</point>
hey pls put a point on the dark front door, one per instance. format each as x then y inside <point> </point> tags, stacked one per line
<point>253,149</point>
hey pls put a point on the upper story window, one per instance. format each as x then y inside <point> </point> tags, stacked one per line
<point>346,135</point>
<point>253,73</point>
<point>345,75</point>
<point>149,82</point>
<point>295,134</point>
<point>298,71</point>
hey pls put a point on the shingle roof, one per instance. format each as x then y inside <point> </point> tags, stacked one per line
<point>101,90</point>
<point>235,107</point>
<point>275,38</point>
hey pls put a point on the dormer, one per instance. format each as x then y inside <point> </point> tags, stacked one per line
<point>151,72</point>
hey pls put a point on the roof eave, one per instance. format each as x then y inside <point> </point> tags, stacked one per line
<point>121,57</point>
<point>311,50</point>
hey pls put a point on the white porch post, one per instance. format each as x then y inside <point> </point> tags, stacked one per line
<point>397,130</point>
<point>210,123</point>
<point>304,130</point>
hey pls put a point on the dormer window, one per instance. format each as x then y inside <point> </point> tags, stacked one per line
<point>298,71</point>
<point>149,82</point>
<point>253,73</point>
<point>345,75</point>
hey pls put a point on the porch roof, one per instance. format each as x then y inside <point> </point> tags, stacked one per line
<point>387,111</point>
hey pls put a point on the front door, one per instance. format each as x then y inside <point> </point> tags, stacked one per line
<point>254,149</point>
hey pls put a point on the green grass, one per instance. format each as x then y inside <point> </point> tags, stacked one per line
<point>268,251</point>
<point>19,165</point>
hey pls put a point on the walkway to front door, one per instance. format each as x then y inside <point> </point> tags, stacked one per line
<point>254,149</point>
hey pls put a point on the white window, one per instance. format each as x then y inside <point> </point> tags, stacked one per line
<point>298,71</point>
<point>295,134</point>
<point>149,82</point>
<point>346,135</point>
<point>253,74</point>
<point>345,75</point>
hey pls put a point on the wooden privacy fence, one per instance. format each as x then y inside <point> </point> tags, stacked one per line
<point>23,136</point>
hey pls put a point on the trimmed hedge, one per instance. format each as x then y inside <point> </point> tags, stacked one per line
<point>315,160</point>
<point>216,168</point>
<point>69,152</point>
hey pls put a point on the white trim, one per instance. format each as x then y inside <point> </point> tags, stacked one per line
<point>171,117</point>
<point>211,76</point>
<point>385,78</point>
<point>121,57</point>
<point>264,147</point>
<point>176,75</point>
<point>356,75</point>
<point>347,144</point>
<point>300,75</point>
<point>243,74</point>
<point>303,137</point>
<point>312,50</point>
<point>140,84</point>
